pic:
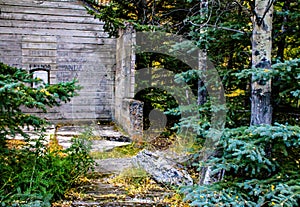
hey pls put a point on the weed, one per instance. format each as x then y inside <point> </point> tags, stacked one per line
<point>134,181</point>
<point>118,152</point>
<point>36,175</point>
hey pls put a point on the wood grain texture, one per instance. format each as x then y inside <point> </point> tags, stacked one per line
<point>60,35</point>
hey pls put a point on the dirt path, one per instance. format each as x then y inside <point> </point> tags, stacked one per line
<point>99,192</point>
<point>102,188</point>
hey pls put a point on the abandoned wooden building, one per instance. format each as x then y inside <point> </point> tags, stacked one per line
<point>58,40</point>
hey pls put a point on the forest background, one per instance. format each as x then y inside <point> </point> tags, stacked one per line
<point>255,46</point>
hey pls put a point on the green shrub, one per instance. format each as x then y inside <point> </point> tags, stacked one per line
<point>262,168</point>
<point>16,94</point>
<point>31,174</point>
<point>34,174</point>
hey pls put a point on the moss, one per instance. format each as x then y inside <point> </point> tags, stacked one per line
<point>118,152</point>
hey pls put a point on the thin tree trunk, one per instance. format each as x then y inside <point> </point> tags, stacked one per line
<point>202,56</point>
<point>261,109</point>
<point>202,92</point>
<point>206,176</point>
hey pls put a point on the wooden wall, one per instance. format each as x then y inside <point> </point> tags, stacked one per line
<point>60,36</point>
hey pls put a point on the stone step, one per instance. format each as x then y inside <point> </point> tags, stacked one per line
<point>119,200</point>
<point>131,203</point>
<point>98,192</point>
<point>64,135</point>
<point>103,132</point>
<point>106,191</point>
<point>113,165</point>
<point>94,190</point>
<point>96,145</point>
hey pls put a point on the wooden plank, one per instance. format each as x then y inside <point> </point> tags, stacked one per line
<point>98,96</point>
<point>38,38</point>
<point>68,66</point>
<point>44,11</point>
<point>49,18</point>
<point>90,59</point>
<point>80,109</point>
<point>76,5</point>
<point>51,25</point>
<point>86,81</point>
<point>86,101</point>
<point>14,44</point>
<point>73,46</point>
<point>38,53</point>
<point>47,32</point>
<point>34,45</point>
<point>78,54</point>
<point>10,53</point>
<point>93,50</point>
<point>88,116</point>
<point>9,37</point>
<point>88,40</point>
<point>38,60</point>
<point>8,47</point>
<point>93,63</point>
<point>11,60</point>
<point>100,93</point>
<point>64,39</point>
<point>62,117</point>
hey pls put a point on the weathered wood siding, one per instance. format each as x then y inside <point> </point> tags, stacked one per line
<point>59,35</point>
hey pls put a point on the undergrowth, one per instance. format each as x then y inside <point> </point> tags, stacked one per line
<point>117,152</point>
<point>262,168</point>
<point>137,182</point>
<point>36,174</point>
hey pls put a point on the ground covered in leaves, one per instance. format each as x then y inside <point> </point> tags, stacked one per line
<point>129,187</point>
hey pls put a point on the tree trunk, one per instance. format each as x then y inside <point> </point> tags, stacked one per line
<point>261,109</point>
<point>206,176</point>
<point>202,56</point>
<point>202,92</point>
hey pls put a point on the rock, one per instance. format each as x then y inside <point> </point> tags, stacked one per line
<point>181,158</point>
<point>105,145</point>
<point>163,170</point>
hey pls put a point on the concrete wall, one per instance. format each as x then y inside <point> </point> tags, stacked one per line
<point>61,37</point>
<point>128,112</point>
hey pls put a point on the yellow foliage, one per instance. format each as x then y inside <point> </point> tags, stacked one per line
<point>118,152</point>
<point>176,200</point>
<point>45,92</point>
<point>15,144</point>
<point>135,181</point>
<point>235,93</point>
<point>55,147</point>
<point>272,187</point>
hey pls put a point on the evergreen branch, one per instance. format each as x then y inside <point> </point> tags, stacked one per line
<point>226,28</point>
